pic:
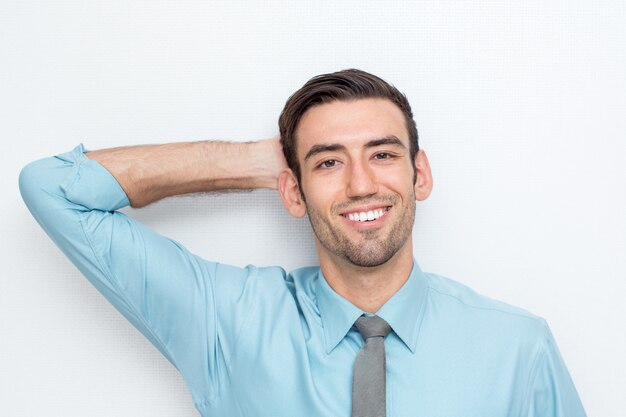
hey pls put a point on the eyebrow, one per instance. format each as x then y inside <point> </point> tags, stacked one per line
<point>387,140</point>
<point>330,147</point>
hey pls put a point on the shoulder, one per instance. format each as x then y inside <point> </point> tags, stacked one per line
<point>464,305</point>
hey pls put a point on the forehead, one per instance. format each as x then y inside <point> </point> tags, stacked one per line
<point>350,123</point>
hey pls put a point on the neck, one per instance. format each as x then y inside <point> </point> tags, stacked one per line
<point>368,288</point>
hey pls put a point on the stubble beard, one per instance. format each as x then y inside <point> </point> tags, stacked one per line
<point>371,249</point>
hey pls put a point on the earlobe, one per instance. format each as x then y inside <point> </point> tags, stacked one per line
<point>424,180</point>
<point>289,191</point>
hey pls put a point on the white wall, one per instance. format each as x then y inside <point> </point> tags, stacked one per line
<point>521,107</point>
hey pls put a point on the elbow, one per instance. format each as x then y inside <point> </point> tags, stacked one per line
<point>38,181</point>
<point>30,177</point>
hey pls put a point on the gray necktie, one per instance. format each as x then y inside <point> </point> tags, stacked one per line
<point>368,384</point>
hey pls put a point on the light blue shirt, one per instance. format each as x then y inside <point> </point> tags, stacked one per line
<point>262,342</point>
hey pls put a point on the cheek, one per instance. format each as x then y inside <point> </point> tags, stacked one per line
<point>397,179</point>
<point>318,202</point>
<point>323,192</point>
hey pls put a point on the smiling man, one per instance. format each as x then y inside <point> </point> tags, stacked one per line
<point>366,333</point>
<point>357,187</point>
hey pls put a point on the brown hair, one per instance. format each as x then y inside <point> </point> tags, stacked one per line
<point>345,85</point>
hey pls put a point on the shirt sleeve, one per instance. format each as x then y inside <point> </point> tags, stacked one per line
<point>552,392</point>
<point>158,285</point>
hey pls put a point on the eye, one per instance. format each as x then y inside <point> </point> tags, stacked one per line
<point>328,163</point>
<point>382,155</point>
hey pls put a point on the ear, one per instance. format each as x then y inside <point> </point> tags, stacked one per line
<point>290,193</point>
<point>424,181</point>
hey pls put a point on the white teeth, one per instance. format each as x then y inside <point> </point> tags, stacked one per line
<point>366,216</point>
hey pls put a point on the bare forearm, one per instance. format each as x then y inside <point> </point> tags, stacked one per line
<point>149,173</point>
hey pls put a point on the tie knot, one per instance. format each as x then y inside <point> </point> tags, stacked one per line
<point>372,326</point>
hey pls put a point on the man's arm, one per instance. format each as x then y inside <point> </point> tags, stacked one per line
<point>182,303</point>
<point>151,172</point>
<point>551,392</point>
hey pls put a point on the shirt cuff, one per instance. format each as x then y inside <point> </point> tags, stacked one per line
<point>90,184</point>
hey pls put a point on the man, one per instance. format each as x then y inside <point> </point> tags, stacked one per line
<point>262,342</point>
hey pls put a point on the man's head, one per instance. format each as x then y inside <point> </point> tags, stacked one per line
<point>346,85</point>
<point>352,153</point>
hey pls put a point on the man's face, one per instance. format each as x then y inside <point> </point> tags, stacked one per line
<point>357,180</point>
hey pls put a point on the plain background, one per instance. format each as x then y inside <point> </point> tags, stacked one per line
<point>520,106</point>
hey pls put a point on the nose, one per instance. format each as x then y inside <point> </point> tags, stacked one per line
<point>361,181</point>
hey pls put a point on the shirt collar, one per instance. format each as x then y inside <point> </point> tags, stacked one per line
<point>401,311</point>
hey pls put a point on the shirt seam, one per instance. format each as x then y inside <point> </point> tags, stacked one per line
<point>534,372</point>
<point>212,397</point>
<point>510,313</point>
<point>229,362</point>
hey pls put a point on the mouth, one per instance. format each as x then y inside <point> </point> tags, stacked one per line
<point>366,216</point>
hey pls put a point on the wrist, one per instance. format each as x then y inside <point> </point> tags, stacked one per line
<point>269,162</point>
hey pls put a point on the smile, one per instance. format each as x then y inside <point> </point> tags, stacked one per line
<point>366,216</point>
